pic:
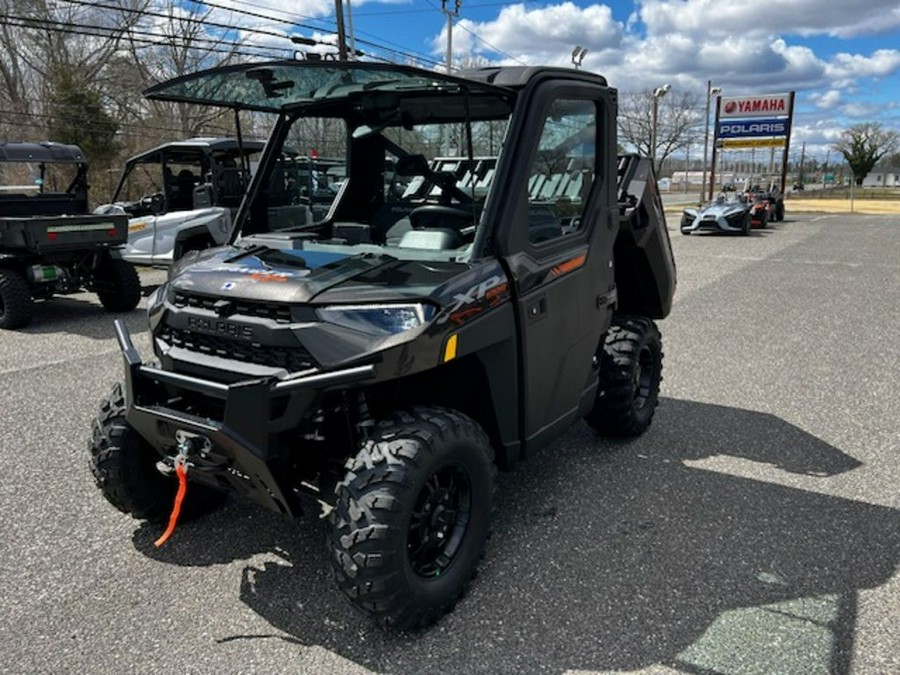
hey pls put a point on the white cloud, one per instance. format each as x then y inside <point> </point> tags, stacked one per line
<point>827,101</point>
<point>543,35</point>
<point>768,17</point>
<point>845,69</point>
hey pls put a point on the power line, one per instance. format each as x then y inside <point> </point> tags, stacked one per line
<point>136,125</point>
<point>180,19</point>
<point>479,38</point>
<point>384,45</point>
<point>227,27</point>
<point>159,41</point>
<point>126,34</point>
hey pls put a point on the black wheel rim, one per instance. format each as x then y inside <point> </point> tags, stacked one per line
<point>439,521</point>
<point>643,378</point>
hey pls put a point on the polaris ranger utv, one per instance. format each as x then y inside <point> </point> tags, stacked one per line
<point>49,243</point>
<point>180,196</point>
<point>386,358</point>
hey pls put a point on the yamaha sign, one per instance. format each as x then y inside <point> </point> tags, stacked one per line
<point>767,105</point>
<point>753,128</point>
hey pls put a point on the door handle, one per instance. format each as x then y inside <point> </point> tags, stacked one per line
<point>536,309</point>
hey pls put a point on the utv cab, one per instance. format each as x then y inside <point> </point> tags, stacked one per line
<point>181,196</point>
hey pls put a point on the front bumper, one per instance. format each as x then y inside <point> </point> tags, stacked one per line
<point>712,224</point>
<point>241,455</point>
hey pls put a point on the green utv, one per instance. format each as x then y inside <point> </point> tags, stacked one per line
<point>442,319</point>
<point>50,243</point>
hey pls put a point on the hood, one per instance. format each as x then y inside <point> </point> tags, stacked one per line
<point>303,276</point>
<point>724,208</point>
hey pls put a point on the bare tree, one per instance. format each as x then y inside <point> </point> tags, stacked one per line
<point>862,145</point>
<point>181,40</point>
<point>679,117</point>
<point>43,44</point>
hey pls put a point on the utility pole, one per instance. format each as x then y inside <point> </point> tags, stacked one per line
<point>802,157</point>
<point>342,38</point>
<point>710,92</point>
<point>451,14</point>
<point>658,93</point>
<point>352,34</point>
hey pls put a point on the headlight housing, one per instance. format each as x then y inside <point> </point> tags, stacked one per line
<point>381,319</point>
<point>156,304</point>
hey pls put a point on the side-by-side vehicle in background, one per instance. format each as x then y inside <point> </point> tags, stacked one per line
<point>182,196</point>
<point>49,242</point>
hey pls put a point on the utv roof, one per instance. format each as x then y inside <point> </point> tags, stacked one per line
<point>516,77</point>
<point>217,145</point>
<point>41,152</point>
<point>278,86</point>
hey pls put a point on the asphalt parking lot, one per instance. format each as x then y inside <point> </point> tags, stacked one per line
<point>753,529</point>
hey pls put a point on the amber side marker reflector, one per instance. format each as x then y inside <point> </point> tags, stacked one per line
<point>450,348</point>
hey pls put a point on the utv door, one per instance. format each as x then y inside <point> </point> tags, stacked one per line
<point>557,241</point>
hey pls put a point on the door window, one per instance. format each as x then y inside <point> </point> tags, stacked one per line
<point>562,170</point>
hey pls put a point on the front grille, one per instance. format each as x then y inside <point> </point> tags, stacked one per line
<point>293,359</point>
<point>262,310</point>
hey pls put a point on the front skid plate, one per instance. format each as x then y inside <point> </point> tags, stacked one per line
<point>240,457</point>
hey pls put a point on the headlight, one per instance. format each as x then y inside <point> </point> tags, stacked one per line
<point>155,305</point>
<point>378,319</point>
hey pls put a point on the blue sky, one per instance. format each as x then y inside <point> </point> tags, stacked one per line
<point>841,56</point>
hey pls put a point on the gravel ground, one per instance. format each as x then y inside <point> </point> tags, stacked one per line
<point>753,529</point>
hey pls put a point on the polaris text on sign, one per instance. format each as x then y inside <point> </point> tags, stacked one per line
<point>754,128</point>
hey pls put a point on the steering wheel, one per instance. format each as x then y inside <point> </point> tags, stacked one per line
<point>439,215</point>
<point>155,203</point>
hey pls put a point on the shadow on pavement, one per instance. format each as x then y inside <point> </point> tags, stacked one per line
<point>609,556</point>
<point>82,315</point>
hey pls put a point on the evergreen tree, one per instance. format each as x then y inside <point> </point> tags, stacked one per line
<point>77,116</point>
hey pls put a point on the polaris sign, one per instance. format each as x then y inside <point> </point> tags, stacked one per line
<point>756,128</point>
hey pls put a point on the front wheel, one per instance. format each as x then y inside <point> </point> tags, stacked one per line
<point>412,516</point>
<point>630,363</point>
<point>118,285</point>
<point>16,305</point>
<point>124,468</point>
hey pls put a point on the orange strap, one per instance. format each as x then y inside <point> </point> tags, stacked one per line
<point>176,509</point>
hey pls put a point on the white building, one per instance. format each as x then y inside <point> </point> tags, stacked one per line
<point>882,178</point>
<point>682,179</point>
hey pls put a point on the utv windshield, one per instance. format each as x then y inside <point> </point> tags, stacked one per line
<point>389,159</point>
<point>283,85</point>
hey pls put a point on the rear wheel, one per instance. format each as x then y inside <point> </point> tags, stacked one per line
<point>630,364</point>
<point>412,516</point>
<point>124,468</point>
<point>16,305</point>
<point>118,285</point>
